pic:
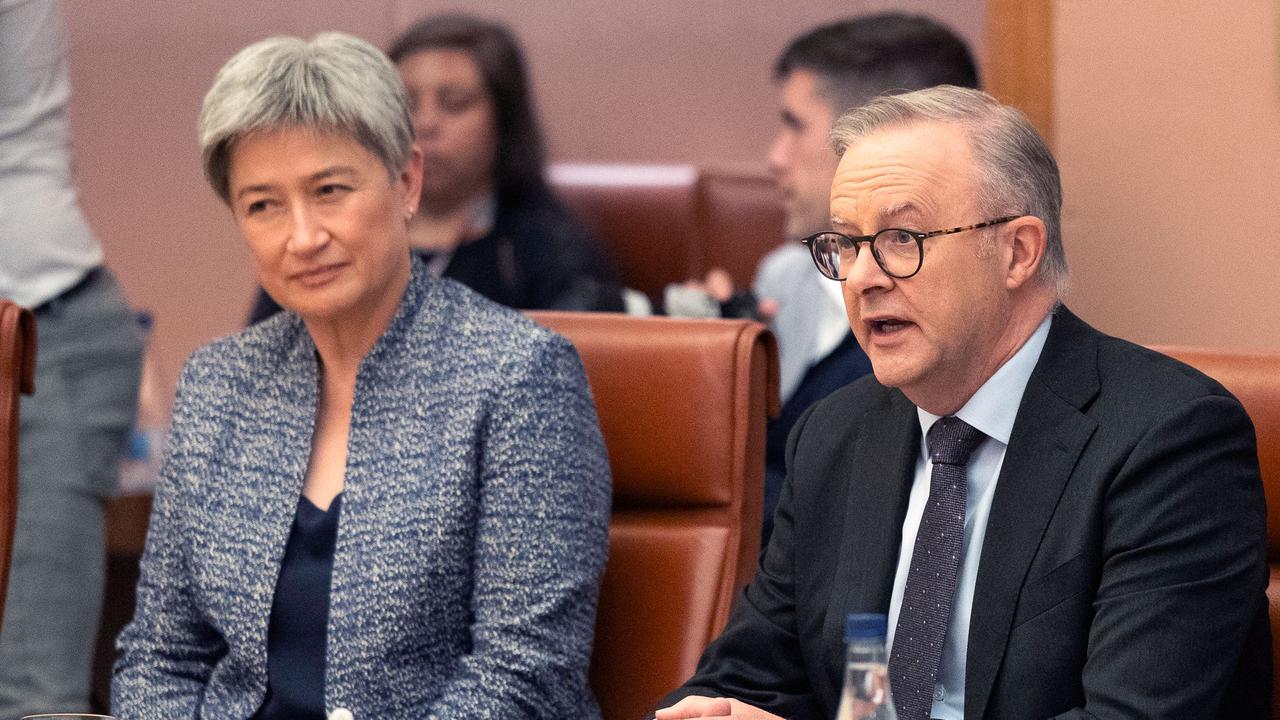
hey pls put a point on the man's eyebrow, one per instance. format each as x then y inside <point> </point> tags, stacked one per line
<point>790,120</point>
<point>901,209</point>
<point>895,212</point>
<point>845,228</point>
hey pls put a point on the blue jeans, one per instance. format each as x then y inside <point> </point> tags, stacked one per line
<point>88,361</point>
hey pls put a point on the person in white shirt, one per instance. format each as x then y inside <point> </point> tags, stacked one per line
<point>88,360</point>
<point>820,74</point>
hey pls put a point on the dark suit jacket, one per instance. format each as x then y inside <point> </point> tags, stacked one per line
<point>1123,573</point>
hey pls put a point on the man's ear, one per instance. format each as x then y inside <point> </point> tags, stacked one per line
<point>1028,241</point>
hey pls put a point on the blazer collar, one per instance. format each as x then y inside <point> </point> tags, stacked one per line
<point>286,389</point>
<point>416,295</point>
<point>1049,434</point>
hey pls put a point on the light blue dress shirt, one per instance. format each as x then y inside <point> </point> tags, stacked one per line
<point>992,409</point>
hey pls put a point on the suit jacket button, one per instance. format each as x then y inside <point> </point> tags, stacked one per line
<point>341,714</point>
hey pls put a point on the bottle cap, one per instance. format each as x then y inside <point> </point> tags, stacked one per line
<point>864,626</point>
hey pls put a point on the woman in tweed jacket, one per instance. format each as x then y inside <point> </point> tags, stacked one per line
<point>455,441</point>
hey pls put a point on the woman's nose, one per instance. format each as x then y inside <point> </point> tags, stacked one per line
<point>307,233</point>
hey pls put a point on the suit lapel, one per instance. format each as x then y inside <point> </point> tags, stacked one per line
<point>877,472</point>
<point>1048,436</point>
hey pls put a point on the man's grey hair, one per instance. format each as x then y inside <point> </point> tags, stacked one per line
<point>333,83</point>
<point>1017,174</point>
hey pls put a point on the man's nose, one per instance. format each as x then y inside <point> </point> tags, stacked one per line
<point>779,154</point>
<point>864,273</point>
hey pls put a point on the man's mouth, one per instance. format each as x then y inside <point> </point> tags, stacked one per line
<point>887,326</point>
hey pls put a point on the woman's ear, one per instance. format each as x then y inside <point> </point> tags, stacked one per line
<point>411,177</point>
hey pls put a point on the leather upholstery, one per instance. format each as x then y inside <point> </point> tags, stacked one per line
<point>682,404</point>
<point>740,219</point>
<point>668,223</point>
<point>1255,380</point>
<point>17,375</point>
<point>645,215</point>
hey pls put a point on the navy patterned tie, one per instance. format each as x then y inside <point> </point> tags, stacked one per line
<point>935,563</point>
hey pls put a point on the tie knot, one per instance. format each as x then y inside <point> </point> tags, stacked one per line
<point>952,440</point>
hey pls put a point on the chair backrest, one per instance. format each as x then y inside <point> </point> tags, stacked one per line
<point>682,404</point>
<point>1255,380</point>
<point>645,215</point>
<point>740,219</point>
<point>17,376</point>
<point>669,223</point>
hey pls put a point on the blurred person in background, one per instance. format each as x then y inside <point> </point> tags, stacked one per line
<point>390,500</point>
<point>488,217</point>
<point>821,74</point>
<point>88,358</point>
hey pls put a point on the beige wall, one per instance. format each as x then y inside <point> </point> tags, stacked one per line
<point>1168,135</point>
<point>659,81</point>
<point>1167,116</point>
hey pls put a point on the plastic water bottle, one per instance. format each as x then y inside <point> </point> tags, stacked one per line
<point>866,693</point>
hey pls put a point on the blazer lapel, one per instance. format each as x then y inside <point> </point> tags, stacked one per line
<point>282,435</point>
<point>877,472</point>
<point>1048,436</point>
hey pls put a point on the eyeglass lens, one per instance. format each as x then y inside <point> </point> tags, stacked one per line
<point>896,251</point>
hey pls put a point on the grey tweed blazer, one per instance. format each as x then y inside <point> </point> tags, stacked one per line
<point>473,532</point>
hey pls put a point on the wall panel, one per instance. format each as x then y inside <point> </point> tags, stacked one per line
<point>661,81</point>
<point>1167,118</point>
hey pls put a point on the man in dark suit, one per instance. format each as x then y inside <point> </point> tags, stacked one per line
<point>820,74</point>
<point>1058,524</point>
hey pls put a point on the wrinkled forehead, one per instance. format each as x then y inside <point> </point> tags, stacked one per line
<point>921,171</point>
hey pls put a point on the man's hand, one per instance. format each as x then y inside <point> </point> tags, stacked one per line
<point>698,706</point>
<point>718,285</point>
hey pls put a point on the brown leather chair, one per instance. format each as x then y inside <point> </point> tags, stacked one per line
<point>669,223</point>
<point>682,404</point>
<point>645,215</point>
<point>1255,380</point>
<point>17,375</point>
<point>740,219</point>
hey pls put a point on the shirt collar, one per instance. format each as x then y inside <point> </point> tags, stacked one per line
<point>994,407</point>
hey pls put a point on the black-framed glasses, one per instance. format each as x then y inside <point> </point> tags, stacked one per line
<point>898,252</point>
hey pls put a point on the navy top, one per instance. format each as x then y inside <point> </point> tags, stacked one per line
<point>299,616</point>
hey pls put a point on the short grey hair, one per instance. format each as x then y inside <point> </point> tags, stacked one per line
<point>335,82</point>
<point>1017,174</point>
